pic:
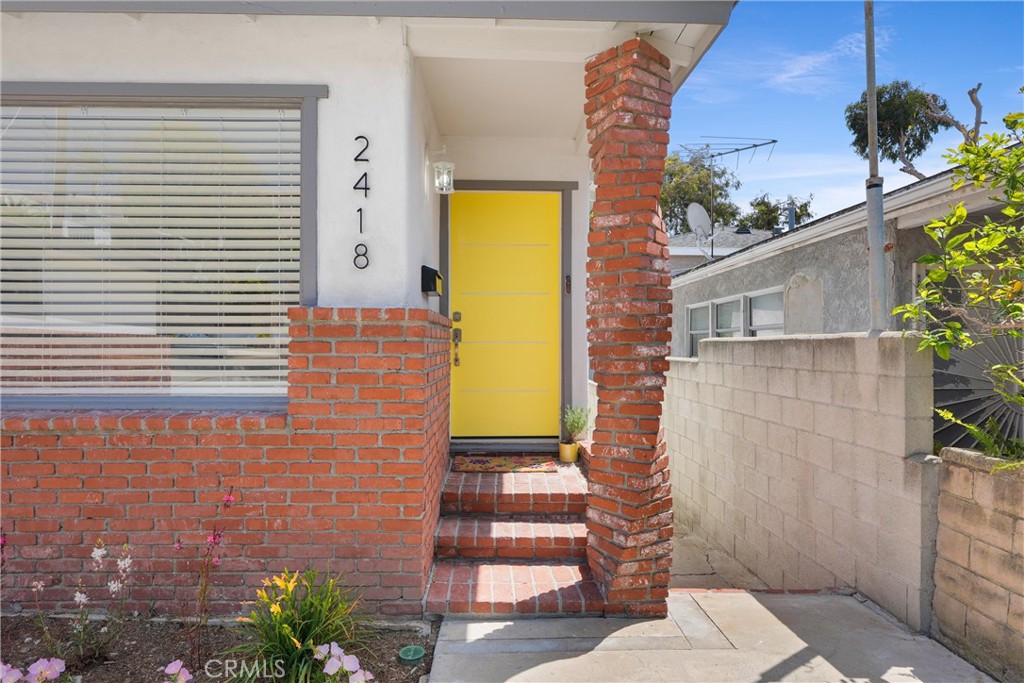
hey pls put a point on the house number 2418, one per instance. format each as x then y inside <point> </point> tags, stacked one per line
<point>362,257</point>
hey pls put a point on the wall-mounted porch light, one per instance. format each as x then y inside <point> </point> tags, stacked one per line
<point>444,174</point>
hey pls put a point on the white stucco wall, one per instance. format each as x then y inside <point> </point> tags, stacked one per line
<point>376,90</point>
<point>370,75</point>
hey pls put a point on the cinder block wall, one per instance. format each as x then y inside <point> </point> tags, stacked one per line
<point>349,480</point>
<point>806,459</point>
<point>979,572</point>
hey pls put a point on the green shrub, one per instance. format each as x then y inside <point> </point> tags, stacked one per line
<point>293,615</point>
<point>576,421</point>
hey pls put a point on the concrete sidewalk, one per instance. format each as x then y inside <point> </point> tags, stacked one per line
<point>709,636</point>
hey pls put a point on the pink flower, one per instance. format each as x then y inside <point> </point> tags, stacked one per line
<point>216,562</point>
<point>177,544</point>
<point>229,499</point>
<point>214,539</point>
<point>45,670</point>
<point>332,666</point>
<point>180,673</point>
<point>351,663</point>
<point>8,674</point>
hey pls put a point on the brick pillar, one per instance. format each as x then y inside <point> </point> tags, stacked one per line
<point>368,396</point>
<point>629,515</point>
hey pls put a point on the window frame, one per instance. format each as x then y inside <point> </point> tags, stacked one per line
<point>302,97</point>
<point>750,326</point>
<point>714,331</point>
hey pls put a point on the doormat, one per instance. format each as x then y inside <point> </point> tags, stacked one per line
<point>505,463</point>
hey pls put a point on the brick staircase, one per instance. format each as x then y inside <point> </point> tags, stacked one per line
<point>513,543</point>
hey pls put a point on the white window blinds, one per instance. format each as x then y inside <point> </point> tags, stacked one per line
<point>147,250</point>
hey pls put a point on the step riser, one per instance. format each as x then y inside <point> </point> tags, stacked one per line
<point>475,591</point>
<point>559,493</point>
<point>511,507</point>
<point>533,538</point>
<point>448,552</point>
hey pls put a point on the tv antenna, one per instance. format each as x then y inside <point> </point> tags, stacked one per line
<point>727,145</point>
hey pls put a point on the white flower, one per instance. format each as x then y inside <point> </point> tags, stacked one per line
<point>98,553</point>
<point>81,598</point>
<point>115,587</point>
<point>103,630</point>
<point>37,586</point>
<point>124,564</point>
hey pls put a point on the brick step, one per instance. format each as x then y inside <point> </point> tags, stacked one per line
<point>519,536</point>
<point>484,589</point>
<point>515,493</point>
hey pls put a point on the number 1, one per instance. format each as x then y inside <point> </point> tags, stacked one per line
<point>360,212</point>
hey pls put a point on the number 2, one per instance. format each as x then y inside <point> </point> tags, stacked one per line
<point>366,146</point>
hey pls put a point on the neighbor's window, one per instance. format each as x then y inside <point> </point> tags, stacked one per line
<point>750,315</point>
<point>699,326</point>
<point>728,319</point>
<point>766,315</point>
<point>148,250</point>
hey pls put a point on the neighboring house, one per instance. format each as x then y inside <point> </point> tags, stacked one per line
<point>685,253</point>
<point>220,223</point>
<point>814,281</point>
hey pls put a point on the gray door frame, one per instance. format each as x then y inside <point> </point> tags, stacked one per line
<point>565,189</point>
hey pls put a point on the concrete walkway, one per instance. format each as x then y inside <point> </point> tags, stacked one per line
<point>710,635</point>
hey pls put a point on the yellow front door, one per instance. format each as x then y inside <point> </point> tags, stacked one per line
<point>504,288</point>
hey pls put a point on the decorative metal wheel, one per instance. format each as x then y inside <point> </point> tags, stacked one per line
<point>963,387</point>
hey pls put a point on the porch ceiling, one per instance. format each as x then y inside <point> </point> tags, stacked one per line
<point>519,78</point>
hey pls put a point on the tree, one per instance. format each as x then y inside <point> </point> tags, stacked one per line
<point>974,287</point>
<point>767,213</point>
<point>908,118</point>
<point>689,179</point>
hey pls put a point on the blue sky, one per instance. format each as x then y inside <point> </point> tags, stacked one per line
<point>787,70</point>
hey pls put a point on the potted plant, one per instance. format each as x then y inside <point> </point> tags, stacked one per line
<point>575,421</point>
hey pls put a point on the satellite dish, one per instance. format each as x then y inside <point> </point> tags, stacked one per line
<point>700,223</point>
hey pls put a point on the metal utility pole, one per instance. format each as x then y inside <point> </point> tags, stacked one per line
<point>877,278</point>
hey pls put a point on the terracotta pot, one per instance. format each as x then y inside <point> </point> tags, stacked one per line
<point>568,452</point>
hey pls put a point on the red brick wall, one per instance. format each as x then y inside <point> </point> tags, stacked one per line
<point>629,518</point>
<point>348,480</point>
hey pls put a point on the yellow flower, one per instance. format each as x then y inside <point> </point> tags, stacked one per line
<point>275,608</point>
<point>262,595</point>
<point>243,620</point>
<point>286,583</point>
<point>297,643</point>
<point>266,582</point>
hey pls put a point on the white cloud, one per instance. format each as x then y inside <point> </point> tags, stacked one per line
<point>730,78</point>
<point>813,73</point>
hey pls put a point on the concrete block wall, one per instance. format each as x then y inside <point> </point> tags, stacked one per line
<point>979,571</point>
<point>806,459</point>
<point>348,480</point>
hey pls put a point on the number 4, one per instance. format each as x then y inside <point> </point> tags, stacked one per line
<point>363,184</point>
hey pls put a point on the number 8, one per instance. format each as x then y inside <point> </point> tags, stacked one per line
<point>361,260</point>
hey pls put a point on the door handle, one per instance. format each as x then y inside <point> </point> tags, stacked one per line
<point>456,339</point>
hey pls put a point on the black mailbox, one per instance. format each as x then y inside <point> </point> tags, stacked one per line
<point>432,281</point>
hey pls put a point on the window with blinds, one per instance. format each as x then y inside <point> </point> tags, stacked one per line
<point>147,250</point>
